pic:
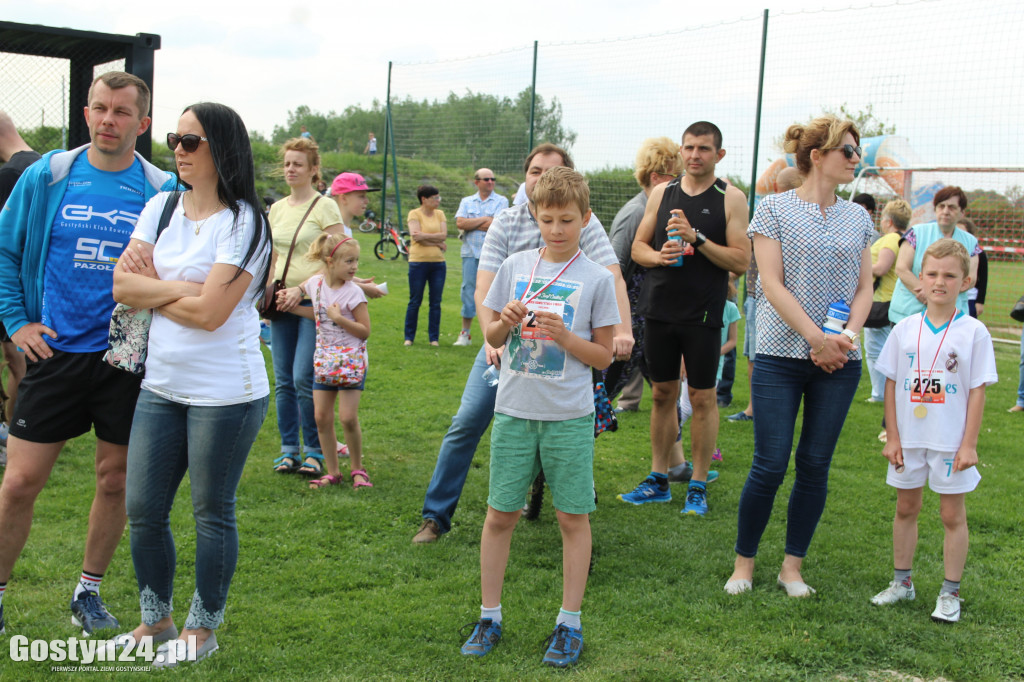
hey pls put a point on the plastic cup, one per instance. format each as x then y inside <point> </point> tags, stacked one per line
<point>383,288</point>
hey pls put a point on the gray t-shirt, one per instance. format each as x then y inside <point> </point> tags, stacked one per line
<point>539,379</point>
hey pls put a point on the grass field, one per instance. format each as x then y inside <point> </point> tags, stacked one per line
<point>330,587</point>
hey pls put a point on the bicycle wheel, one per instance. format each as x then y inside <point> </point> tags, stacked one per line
<point>405,245</point>
<point>385,249</point>
<point>368,226</point>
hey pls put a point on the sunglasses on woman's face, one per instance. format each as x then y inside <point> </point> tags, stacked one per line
<point>848,151</point>
<point>190,142</point>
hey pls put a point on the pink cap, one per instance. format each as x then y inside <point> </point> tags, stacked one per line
<point>350,182</point>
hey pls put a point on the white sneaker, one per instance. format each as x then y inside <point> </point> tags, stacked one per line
<point>463,339</point>
<point>947,608</point>
<point>896,591</point>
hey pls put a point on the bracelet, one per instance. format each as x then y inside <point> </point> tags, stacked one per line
<point>815,352</point>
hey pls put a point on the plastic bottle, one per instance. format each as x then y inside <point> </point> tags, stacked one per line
<point>836,318</point>
<point>679,261</point>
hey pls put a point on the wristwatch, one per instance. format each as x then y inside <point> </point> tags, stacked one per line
<point>850,334</point>
<point>699,239</point>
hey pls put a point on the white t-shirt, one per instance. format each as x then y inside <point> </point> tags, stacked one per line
<point>194,366</point>
<point>348,297</point>
<point>965,361</point>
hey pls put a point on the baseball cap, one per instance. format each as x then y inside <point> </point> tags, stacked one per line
<point>350,182</point>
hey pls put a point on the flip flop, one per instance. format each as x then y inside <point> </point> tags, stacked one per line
<point>361,484</point>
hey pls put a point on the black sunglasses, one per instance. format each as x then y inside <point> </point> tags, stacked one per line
<point>189,142</point>
<point>486,179</point>
<point>848,151</point>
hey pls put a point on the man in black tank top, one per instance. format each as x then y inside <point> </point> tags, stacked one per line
<point>683,305</point>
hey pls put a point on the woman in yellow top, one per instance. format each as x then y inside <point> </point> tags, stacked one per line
<point>293,337</point>
<point>428,228</point>
<point>895,218</point>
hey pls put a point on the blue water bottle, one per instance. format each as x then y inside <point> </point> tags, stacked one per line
<point>678,263</point>
<point>836,318</point>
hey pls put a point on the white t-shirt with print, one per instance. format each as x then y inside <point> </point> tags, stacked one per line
<point>194,366</point>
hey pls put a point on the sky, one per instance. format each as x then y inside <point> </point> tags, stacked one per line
<point>265,59</point>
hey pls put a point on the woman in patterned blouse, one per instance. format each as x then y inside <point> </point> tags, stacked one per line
<point>812,250</point>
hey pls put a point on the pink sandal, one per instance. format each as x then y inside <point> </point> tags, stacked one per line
<point>361,484</point>
<point>325,481</point>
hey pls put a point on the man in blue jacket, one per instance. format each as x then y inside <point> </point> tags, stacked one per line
<point>61,232</point>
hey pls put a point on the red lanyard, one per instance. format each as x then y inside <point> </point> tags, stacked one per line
<point>527,301</point>
<point>920,385</point>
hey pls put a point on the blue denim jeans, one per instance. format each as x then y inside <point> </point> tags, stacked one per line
<point>469,266</point>
<point>420,275</point>
<point>778,385</point>
<point>1020,386</point>
<point>292,340</point>
<point>459,445</point>
<point>874,341</point>
<point>212,444</point>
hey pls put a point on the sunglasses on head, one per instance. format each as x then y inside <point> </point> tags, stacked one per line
<point>848,151</point>
<point>189,142</point>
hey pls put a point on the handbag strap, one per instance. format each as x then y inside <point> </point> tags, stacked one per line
<point>170,204</point>
<point>291,249</point>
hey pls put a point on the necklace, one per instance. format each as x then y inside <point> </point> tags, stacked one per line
<point>921,411</point>
<point>199,223</point>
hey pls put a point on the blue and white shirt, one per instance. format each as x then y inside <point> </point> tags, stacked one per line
<point>821,258</point>
<point>475,207</point>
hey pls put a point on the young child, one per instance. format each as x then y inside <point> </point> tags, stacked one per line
<point>557,309</point>
<point>339,308</point>
<point>937,364</point>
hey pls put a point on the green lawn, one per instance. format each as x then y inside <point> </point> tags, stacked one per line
<point>329,586</point>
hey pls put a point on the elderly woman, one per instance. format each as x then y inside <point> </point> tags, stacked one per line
<point>812,251</point>
<point>297,220</point>
<point>205,393</point>
<point>895,218</point>
<point>428,229</point>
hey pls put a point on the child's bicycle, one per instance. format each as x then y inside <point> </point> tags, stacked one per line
<point>391,244</point>
<point>369,224</point>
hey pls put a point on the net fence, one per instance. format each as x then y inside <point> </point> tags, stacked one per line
<point>932,82</point>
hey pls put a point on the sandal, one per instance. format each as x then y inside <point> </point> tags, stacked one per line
<point>287,463</point>
<point>365,483</point>
<point>342,448</point>
<point>315,468</point>
<point>325,481</point>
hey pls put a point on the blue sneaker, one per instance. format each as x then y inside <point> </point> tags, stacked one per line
<point>486,634</point>
<point>696,502</point>
<point>564,647</point>
<point>740,417</point>
<point>647,491</point>
<point>90,613</point>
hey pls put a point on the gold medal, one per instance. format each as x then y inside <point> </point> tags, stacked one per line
<point>920,411</point>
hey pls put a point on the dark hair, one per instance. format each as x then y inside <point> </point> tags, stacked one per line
<point>705,128</point>
<point>865,200</point>
<point>548,148</point>
<point>236,177</point>
<point>426,191</point>
<point>947,193</point>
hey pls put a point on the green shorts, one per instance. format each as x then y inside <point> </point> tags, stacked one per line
<point>520,448</point>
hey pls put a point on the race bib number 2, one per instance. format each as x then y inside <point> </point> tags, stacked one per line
<point>530,330</point>
<point>928,387</point>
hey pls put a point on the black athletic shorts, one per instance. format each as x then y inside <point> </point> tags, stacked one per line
<point>64,396</point>
<point>666,342</point>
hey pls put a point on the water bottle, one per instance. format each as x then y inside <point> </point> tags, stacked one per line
<point>679,261</point>
<point>836,318</point>
<point>265,333</point>
<point>491,376</point>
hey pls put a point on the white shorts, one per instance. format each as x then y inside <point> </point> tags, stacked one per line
<point>922,464</point>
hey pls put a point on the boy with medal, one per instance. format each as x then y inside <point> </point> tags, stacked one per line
<point>557,309</point>
<point>937,364</point>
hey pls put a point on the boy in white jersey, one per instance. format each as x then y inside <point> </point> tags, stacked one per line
<point>937,364</point>
<point>557,309</point>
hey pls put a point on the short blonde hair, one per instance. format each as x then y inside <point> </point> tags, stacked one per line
<point>943,248</point>
<point>824,132</point>
<point>325,244</point>
<point>656,155</point>
<point>560,186</point>
<point>899,212</point>
<point>307,146</point>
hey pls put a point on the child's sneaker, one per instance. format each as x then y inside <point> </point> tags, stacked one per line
<point>896,591</point>
<point>647,491</point>
<point>486,634</point>
<point>564,647</point>
<point>696,501</point>
<point>463,340</point>
<point>947,608</point>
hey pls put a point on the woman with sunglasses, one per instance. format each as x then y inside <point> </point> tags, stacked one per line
<point>205,392</point>
<point>293,338</point>
<point>812,251</point>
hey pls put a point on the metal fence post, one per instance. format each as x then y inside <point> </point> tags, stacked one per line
<point>757,116</point>
<point>533,95</point>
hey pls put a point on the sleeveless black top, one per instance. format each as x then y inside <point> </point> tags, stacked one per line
<point>694,293</point>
